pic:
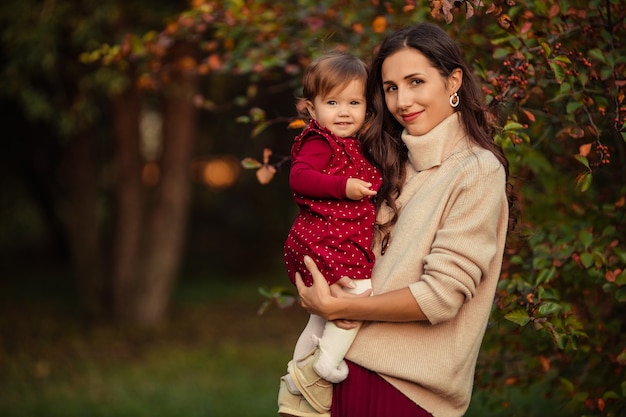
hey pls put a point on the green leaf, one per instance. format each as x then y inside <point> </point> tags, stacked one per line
<point>606,73</point>
<point>285,301</point>
<point>609,231</point>
<point>585,237</point>
<point>583,160</point>
<point>610,395</point>
<point>500,41</point>
<point>568,385</point>
<point>548,294</point>
<point>548,308</point>
<point>510,125</point>
<point>257,114</point>
<point>258,129</point>
<point>558,71</point>
<point>558,338</point>
<point>564,59</point>
<point>586,259</point>
<point>545,275</point>
<point>581,396</point>
<point>250,163</point>
<point>517,260</point>
<point>597,54</point>
<point>583,181</point>
<point>279,296</point>
<point>599,257</point>
<point>518,316</point>
<point>572,106</point>
<point>265,293</point>
<point>502,53</point>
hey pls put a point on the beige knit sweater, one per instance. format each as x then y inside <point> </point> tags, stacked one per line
<point>447,248</point>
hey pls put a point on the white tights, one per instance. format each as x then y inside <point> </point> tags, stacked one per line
<point>333,342</point>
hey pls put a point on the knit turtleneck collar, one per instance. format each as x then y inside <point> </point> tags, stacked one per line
<point>431,149</point>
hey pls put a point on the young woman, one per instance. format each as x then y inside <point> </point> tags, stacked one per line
<point>334,185</point>
<point>443,215</point>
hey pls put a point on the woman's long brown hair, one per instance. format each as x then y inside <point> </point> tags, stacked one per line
<point>382,142</point>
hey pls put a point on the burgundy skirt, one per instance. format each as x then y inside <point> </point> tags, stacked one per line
<point>366,394</point>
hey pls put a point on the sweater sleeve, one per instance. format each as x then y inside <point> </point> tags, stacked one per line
<point>465,244</point>
<point>306,177</point>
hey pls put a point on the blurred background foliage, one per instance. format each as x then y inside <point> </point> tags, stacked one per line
<point>122,196</point>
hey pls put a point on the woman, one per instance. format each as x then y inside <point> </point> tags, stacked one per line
<point>443,217</point>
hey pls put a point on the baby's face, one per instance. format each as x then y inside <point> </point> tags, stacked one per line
<point>342,111</point>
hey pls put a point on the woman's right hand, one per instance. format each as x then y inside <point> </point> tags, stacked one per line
<point>345,287</point>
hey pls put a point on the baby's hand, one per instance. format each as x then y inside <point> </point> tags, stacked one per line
<point>356,189</point>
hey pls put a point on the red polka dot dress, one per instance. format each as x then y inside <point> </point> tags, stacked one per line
<point>332,229</point>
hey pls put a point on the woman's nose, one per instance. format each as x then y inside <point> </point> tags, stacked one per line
<point>403,99</point>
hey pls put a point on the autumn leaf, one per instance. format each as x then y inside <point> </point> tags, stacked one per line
<point>297,124</point>
<point>214,61</point>
<point>494,10</point>
<point>583,150</point>
<point>358,28</point>
<point>554,11</point>
<point>530,116</point>
<point>576,132</point>
<point>505,22</point>
<point>379,24</point>
<point>511,380</point>
<point>470,10</point>
<point>265,174</point>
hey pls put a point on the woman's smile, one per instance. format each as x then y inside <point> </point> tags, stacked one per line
<point>409,117</point>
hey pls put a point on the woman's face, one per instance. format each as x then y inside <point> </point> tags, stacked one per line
<point>415,93</point>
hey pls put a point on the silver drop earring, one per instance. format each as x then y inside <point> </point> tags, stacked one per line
<point>454,100</point>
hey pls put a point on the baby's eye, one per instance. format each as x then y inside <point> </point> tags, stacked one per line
<point>355,103</point>
<point>331,102</point>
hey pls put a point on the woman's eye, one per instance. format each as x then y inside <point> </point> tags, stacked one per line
<point>416,82</point>
<point>391,89</point>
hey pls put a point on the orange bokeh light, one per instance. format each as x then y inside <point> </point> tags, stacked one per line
<point>219,172</point>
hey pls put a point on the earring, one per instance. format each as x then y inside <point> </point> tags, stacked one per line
<point>454,100</point>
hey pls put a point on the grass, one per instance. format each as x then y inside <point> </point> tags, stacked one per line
<point>227,381</point>
<point>214,357</point>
